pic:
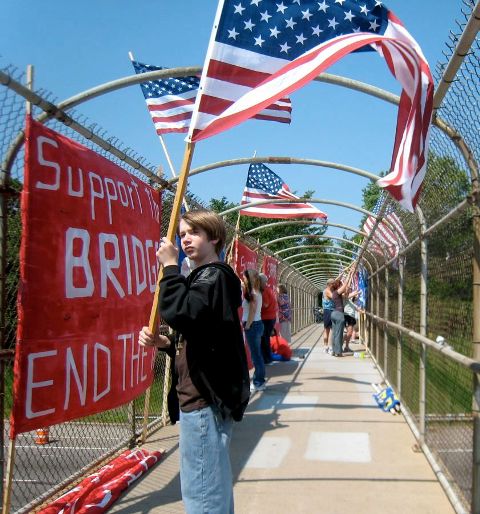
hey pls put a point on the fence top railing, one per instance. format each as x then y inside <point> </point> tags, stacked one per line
<point>467,362</point>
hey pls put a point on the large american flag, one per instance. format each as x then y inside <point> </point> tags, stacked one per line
<point>262,50</point>
<point>264,184</point>
<point>170,101</point>
<point>389,237</point>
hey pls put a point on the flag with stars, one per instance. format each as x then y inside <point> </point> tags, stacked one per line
<point>264,184</point>
<point>389,237</point>
<point>170,101</point>
<point>261,50</point>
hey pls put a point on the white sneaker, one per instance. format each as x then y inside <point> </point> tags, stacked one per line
<point>254,388</point>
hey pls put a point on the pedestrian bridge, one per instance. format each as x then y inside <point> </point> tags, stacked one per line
<point>314,440</point>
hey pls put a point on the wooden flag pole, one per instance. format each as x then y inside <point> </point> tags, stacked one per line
<point>154,314</point>
<point>172,229</point>
<point>173,224</point>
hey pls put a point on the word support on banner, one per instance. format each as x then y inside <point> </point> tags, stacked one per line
<point>88,272</point>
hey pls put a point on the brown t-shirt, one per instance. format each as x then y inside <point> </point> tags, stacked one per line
<point>338,301</point>
<point>189,397</point>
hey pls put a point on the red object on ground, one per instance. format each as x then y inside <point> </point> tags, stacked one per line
<point>97,492</point>
<point>280,346</point>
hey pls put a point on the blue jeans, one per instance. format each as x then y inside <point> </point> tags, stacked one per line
<point>338,324</point>
<point>254,337</point>
<point>268,325</point>
<point>205,471</point>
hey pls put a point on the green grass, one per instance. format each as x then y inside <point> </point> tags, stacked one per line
<point>449,384</point>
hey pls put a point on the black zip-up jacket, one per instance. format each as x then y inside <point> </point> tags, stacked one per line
<point>204,308</point>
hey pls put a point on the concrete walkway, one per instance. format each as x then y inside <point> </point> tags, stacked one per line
<point>313,442</point>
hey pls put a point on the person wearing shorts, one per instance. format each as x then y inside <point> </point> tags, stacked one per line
<point>349,324</point>
<point>350,311</point>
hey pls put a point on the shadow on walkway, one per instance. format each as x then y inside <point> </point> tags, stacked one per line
<point>313,442</point>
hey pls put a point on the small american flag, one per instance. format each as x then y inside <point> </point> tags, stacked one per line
<point>264,184</point>
<point>389,238</point>
<point>262,50</point>
<point>170,101</point>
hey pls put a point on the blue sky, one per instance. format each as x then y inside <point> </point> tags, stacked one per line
<point>76,46</point>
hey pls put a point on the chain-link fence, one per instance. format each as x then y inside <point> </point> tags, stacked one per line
<point>446,421</point>
<point>433,284</point>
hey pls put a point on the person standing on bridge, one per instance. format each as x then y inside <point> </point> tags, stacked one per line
<point>269,317</point>
<point>339,289</point>
<point>328,306</point>
<point>252,323</point>
<point>284,313</point>
<point>211,363</point>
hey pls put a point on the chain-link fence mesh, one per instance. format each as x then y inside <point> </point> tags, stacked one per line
<point>449,385</point>
<point>448,420</point>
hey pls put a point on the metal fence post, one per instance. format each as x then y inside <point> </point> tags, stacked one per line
<point>423,324</point>
<point>401,271</point>
<point>370,322</point>
<point>302,298</point>
<point>4,184</point>
<point>377,313</point>
<point>290,295</point>
<point>3,252</point>
<point>476,350</point>
<point>385,329</point>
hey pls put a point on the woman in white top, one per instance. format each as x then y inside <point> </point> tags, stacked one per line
<point>253,325</point>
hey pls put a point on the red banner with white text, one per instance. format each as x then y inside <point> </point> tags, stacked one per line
<point>88,270</point>
<point>244,258</point>
<point>270,269</point>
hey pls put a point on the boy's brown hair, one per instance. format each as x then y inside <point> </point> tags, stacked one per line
<point>209,221</point>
